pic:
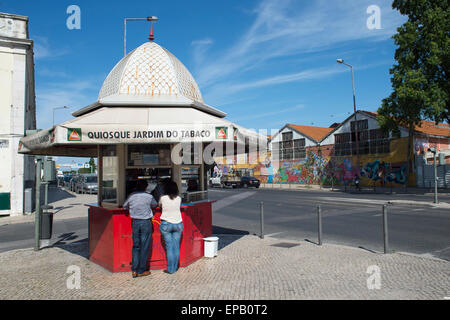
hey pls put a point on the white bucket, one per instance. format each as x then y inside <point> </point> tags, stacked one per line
<point>211,246</point>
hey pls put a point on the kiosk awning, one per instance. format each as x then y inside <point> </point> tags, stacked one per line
<point>130,125</point>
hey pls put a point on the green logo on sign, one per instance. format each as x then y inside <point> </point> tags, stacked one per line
<point>221,132</point>
<point>73,134</point>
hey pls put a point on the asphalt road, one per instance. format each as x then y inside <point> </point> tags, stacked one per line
<point>352,219</point>
<point>21,235</point>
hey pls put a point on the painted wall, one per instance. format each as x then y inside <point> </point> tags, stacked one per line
<point>422,143</point>
<point>320,167</point>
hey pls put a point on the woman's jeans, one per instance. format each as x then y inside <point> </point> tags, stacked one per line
<point>172,237</point>
<point>142,239</point>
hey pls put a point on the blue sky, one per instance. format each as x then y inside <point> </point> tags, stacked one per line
<point>265,63</point>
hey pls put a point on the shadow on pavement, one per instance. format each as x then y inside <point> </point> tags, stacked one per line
<point>79,247</point>
<point>351,189</point>
<point>227,236</point>
<point>56,194</point>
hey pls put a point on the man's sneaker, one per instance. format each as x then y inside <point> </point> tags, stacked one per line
<point>143,274</point>
<point>134,274</point>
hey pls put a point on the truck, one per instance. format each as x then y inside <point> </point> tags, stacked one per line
<point>230,180</point>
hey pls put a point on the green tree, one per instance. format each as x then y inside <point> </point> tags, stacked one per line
<point>420,76</point>
<point>92,164</point>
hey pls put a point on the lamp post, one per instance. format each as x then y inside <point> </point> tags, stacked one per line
<point>433,151</point>
<point>65,107</point>
<point>341,61</point>
<point>151,38</point>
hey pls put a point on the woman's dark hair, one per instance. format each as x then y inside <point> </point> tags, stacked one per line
<point>171,189</point>
<point>141,185</point>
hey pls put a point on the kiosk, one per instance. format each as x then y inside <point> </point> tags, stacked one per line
<point>150,122</point>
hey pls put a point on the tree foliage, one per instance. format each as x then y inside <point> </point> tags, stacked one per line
<point>420,76</point>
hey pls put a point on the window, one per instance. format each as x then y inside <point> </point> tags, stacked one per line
<point>379,141</point>
<point>343,145</point>
<point>110,174</point>
<point>362,125</point>
<point>288,148</point>
<point>287,136</point>
<point>369,142</point>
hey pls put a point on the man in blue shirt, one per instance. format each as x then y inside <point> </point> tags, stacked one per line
<point>140,205</point>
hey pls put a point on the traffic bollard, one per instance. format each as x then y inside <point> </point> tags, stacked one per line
<point>262,219</point>
<point>385,229</point>
<point>319,223</point>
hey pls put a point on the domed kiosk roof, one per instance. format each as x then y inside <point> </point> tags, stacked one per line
<point>148,97</point>
<point>150,71</point>
<point>150,76</point>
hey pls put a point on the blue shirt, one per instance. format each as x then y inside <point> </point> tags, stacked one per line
<point>140,205</point>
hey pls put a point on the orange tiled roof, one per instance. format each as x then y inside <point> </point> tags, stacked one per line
<point>317,133</point>
<point>428,127</point>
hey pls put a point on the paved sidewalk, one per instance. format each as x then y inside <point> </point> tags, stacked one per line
<point>66,204</point>
<point>443,194</point>
<point>246,268</point>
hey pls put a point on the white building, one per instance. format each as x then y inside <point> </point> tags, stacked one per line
<point>17,109</point>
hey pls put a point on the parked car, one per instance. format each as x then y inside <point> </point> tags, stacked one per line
<point>86,183</point>
<point>249,182</point>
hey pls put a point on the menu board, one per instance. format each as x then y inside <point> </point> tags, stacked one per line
<point>149,155</point>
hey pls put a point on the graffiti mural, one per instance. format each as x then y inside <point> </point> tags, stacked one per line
<point>308,171</point>
<point>328,170</point>
<point>385,172</point>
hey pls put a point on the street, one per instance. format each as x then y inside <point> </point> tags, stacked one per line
<point>350,219</point>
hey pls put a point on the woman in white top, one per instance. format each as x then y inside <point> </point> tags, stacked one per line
<point>171,225</point>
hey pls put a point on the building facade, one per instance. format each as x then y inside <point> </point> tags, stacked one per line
<point>332,156</point>
<point>18,110</point>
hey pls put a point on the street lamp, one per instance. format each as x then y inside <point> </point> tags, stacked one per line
<point>65,107</point>
<point>341,61</point>
<point>433,151</point>
<point>151,19</point>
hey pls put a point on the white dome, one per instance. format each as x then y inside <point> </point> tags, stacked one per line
<point>151,73</point>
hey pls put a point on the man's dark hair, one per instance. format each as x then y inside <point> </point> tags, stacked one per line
<point>172,189</point>
<point>141,185</point>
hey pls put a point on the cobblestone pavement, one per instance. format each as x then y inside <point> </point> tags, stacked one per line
<point>246,268</point>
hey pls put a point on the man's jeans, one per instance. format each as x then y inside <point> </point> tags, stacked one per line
<point>142,239</point>
<point>172,236</point>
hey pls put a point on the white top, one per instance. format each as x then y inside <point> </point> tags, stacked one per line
<point>170,209</point>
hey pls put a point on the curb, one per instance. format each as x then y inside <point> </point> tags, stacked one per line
<point>420,203</point>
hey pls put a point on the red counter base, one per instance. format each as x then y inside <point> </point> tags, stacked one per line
<point>110,237</point>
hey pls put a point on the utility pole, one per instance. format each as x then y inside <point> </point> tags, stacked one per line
<point>37,216</point>
<point>341,61</point>
<point>433,150</point>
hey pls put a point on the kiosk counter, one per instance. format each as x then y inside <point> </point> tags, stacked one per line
<point>110,236</point>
